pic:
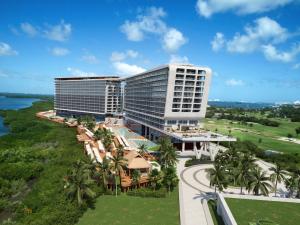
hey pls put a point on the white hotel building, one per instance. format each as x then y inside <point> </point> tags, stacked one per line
<point>168,100</point>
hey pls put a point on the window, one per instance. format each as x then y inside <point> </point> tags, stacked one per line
<point>196,110</point>
<point>176,99</point>
<point>180,70</point>
<point>175,110</point>
<point>171,122</point>
<point>182,121</point>
<point>177,94</point>
<point>188,88</point>
<point>178,82</point>
<point>178,88</point>
<point>186,110</point>
<point>198,94</point>
<point>187,100</point>
<point>187,106</point>
<point>176,106</point>
<point>179,76</point>
<point>190,77</point>
<point>197,106</point>
<point>201,78</point>
<point>191,71</point>
<point>189,83</point>
<point>188,94</point>
<point>202,72</point>
<point>197,100</point>
<point>193,122</point>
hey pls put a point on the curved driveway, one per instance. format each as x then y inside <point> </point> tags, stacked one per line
<point>194,186</point>
<point>191,194</point>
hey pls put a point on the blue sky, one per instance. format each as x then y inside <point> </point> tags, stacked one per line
<point>253,47</point>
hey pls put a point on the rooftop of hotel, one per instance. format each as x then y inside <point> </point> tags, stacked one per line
<point>104,77</point>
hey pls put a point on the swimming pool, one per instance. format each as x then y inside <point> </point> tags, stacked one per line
<point>134,139</point>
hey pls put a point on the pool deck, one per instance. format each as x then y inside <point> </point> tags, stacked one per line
<point>131,136</point>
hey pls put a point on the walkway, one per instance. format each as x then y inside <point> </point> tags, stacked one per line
<point>191,195</point>
<point>194,187</point>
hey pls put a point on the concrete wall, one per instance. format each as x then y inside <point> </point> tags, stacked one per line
<point>224,211</point>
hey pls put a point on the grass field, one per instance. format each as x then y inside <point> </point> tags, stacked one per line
<point>282,213</point>
<point>268,135</point>
<point>129,210</point>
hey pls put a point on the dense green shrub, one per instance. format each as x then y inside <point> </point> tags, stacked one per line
<point>194,161</point>
<point>145,192</point>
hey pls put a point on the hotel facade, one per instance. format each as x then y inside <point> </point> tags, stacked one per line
<point>168,100</point>
<point>98,96</point>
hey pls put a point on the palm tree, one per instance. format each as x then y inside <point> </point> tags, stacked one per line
<point>103,171</point>
<point>278,175</point>
<point>107,141</point>
<point>259,182</point>
<point>291,185</point>
<point>143,149</point>
<point>244,167</point>
<point>136,176</point>
<point>99,134</point>
<point>78,182</point>
<point>170,178</point>
<point>217,177</point>
<point>155,178</point>
<point>168,155</point>
<point>117,164</point>
<point>120,150</point>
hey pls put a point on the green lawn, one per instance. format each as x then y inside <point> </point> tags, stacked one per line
<point>267,134</point>
<point>128,210</point>
<point>245,211</point>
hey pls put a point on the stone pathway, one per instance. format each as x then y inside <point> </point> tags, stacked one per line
<point>194,188</point>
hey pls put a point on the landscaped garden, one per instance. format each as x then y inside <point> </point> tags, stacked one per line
<point>282,213</point>
<point>129,210</point>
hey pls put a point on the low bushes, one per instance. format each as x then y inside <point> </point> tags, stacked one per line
<point>145,192</point>
<point>194,161</point>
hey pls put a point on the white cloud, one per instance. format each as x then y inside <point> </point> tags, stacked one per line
<point>173,40</point>
<point>207,8</point>
<point>80,73</point>
<point>179,59</point>
<point>29,29</point>
<point>57,51</point>
<point>265,30</point>
<point>132,54</point>
<point>234,82</point>
<point>59,32</point>
<point>6,49</point>
<point>296,66</point>
<point>262,36</point>
<point>152,23</point>
<point>120,56</point>
<point>90,58</point>
<point>272,54</point>
<point>218,42</point>
<point>149,23</point>
<point>123,68</point>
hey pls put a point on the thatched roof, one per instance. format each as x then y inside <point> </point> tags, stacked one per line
<point>136,161</point>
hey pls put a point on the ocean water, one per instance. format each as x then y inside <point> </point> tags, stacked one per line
<point>15,104</point>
